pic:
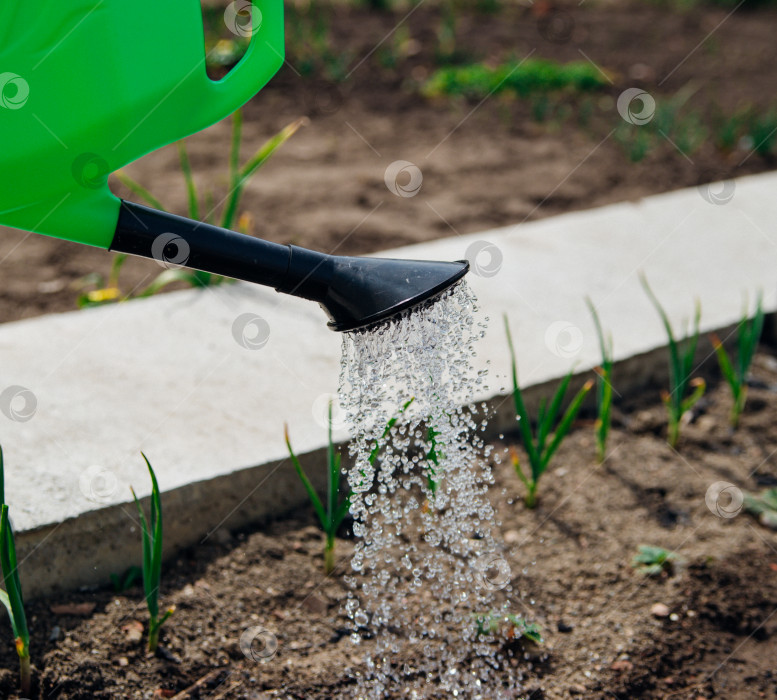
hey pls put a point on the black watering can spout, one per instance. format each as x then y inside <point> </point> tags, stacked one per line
<point>355,292</point>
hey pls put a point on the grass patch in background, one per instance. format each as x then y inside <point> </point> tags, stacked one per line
<point>532,76</point>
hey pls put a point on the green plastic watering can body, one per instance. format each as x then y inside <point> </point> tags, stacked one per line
<point>88,86</point>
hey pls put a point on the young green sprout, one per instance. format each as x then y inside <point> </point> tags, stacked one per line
<point>541,448</point>
<point>11,597</point>
<point>432,461</point>
<point>331,516</point>
<point>603,387</point>
<point>507,626</point>
<point>125,581</point>
<point>748,334</point>
<point>684,391</point>
<point>152,560</point>
<point>652,561</point>
<point>763,506</point>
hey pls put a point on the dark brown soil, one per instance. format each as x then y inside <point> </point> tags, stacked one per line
<point>570,572</point>
<point>483,165</point>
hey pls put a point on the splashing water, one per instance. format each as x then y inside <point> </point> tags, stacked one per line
<point>423,522</point>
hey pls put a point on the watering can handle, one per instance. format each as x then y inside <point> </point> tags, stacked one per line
<point>263,58</point>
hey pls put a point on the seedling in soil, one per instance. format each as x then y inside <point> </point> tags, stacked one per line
<point>762,132</point>
<point>310,46</point>
<point>763,506</point>
<point>432,460</point>
<point>11,597</point>
<point>125,581</point>
<point>652,561</point>
<point>684,391</point>
<point>336,509</point>
<point>331,516</point>
<point>603,387</point>
<point>507,627</point>
<point>541,447</point>
<point>728,129</point>
<point>108,290</point>
<point>152,560</point>
<point>748,334</point>
<point>670,127</point>
<point>636,142</point>
<point>446,50</point>
<point>376,447</point>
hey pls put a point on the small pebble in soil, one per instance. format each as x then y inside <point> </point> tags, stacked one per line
<point>274,552</point>
<point>659,610</point>
<point>316,604</point>
<point>642,71</point>
<point>168,655</point>
<point>52,286</point>
<point>76,609</point>
<point>133,631</point>
<point>222,536</point>
<point>299,646</point>
<point>622,665</point>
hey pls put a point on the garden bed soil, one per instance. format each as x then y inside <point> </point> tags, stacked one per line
<point>483,165</point>
<point>569,567</point>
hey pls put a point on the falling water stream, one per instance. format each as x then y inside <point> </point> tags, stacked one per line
<point>425,529</point>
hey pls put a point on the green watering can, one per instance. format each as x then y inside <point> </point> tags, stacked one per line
<point>88,86</point>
